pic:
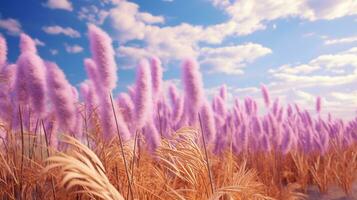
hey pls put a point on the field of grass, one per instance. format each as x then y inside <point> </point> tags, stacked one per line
<point>148,143</point>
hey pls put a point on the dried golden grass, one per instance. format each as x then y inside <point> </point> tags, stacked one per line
<point>177,170</point>
<point>81,167</point>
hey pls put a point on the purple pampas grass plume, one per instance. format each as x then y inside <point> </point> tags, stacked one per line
<point>27,44</point>
<point>266,95</point>
<point>248,102</point>
<point>108,121</point>
<point>34,70</point>
<point>152,136</point>
<point>21,87</point>
<point>89,97</point>
<point>3,52</point>
<point>6,93</point>
<point>290,111</point>
<point>103,56</point>
<point>208,125</point>
<point>92,72</point>
<point>61,96</point>
<point>177,103</point>
<point>220,106</point>
<point>276,107</point>
<point>287,141</point>
<point>131,92</point>
<point>318,104</point>
<point>223,92</point>
<point>156,75</point>
<point>143,94</point>
<point>193,87</point>
<point>126,107</point>
<point>265,143</point>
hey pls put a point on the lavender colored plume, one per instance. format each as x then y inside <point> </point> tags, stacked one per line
<point>193,87</point>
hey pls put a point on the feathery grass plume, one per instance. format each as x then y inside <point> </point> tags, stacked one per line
<point>193,88</point>
<point>152,136</point>
<point>287,140</point>
<point>83,168</point>
<point>35,75</point>
<point>143,94</point>
<point>156,76</point>
<point>208,124</point>
<point>61,96</point>
<point>318,104</point>
<point>177,104</point>
<point>219,106</point>
<point>276,106</point>
<point>108,121</point>
<point>78,125</point>
<point>266,95</point>
<point>223,92</point>
<point>92,72</point>
<point>21,87</point>
<point>103,56</point>
<point>89,97</point>
<point>126,106</point>
<point>3,52</point>
<point>6,93</point>
<point>27,44</point>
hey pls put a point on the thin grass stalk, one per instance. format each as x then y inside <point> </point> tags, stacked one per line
<point>121,147</point>
<point>133,161</point>
<point>206,154</point>
<point>48,155</point>
<point>34,141</point>
<point>22,152</point>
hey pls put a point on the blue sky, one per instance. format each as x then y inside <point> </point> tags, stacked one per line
<point>300,49</point>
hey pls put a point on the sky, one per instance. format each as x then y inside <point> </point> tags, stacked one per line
<point>299,49</point>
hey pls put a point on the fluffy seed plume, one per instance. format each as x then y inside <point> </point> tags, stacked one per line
<point>27,44</point>
<point>103,56</point>
<point>193,87</point>
<point>32,69</point>
<point>156,75</point>
<point>3,52</point>
<point>177,103</point>
<point>209,128</point>
<point>318,104</point>
<point>266,95</point>
<point>61,96</point>
<point>143,94</point>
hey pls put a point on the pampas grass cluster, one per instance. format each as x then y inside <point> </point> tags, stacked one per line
<point>153,143</point>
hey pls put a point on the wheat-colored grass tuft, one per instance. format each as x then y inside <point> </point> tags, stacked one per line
<point>81,167</point>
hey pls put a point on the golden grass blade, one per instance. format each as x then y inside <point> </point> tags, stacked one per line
<point>83,168</point>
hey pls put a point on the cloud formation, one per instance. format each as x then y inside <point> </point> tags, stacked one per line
<point>12,26</point>
<point>59,4</point>
<point>56,30</point>
<point>73,49</point>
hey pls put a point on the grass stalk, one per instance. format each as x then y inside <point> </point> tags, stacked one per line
<point>122,148</point>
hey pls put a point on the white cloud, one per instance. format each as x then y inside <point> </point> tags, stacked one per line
<point>93,14</point>
<point>73,48</point>
<point>38,42</point>
<point>54,51</point>
<point>59,4</point>
<point>300,69</point>
<point>251,15</point>
<point>232,59</point>
<point>344,40</point>
<point>12,26</point>
<point>331,63</point>
<point>55,30</point>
